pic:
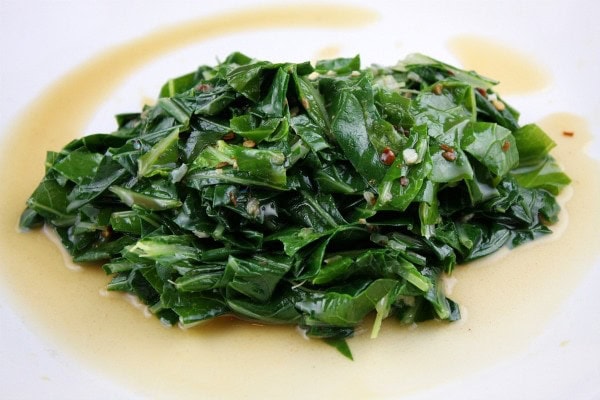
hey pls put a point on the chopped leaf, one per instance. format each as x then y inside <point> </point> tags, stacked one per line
<point>286,194</point>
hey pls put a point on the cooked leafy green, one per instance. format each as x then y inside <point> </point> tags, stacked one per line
<point>296,194</point>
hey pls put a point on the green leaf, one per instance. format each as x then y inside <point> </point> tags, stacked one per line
<point>312,102</point>
<point>247,166</point>
<point>533,144</point>
<point>274,103</point>
<point>194,308</point>
<point>165,249</point>
<point>492,145</point>
<point>78,165</point>
<point>295,239</point>
<point>547,175</point>
<point>415,62</point>
<point>249,128</point>
<point>50,201</point>
<point>341,345</point>
<point>161,158</point>
<point>341,309</point>
<point>451,167</point>
<point>280,309</point>
<point>312,134</point>
<point>352,134</point>
<point>178,85</point>
<point>177,108</point>
<point>246,79</point>
<point>339,65</point>
<point>131,198</point>
<point>96,185</point>
<point>256,277</point>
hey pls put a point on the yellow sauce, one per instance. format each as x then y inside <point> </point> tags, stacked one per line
<point>516,73</point>
<point>506,299</point>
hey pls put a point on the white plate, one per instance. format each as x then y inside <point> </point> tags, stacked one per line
<point>41,41</point>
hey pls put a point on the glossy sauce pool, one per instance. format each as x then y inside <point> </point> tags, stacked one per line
<point>506,299</point>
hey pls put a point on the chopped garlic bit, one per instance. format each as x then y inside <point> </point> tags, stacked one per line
<point>201,235</point>
<point>410,156</point>
<point>313,76</point>
<point>385,194</point>
<point>386,197</point>
<point>253,207</point>
<point>498,105</point>
<point>355,74</point>
<point>369,197</point>
<point>331,73</point>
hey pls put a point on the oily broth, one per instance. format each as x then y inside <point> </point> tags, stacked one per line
<point>515,72</point>
<point>520,288</point>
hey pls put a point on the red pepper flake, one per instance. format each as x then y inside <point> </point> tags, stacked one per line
<point>387,156</point>
<point>106,232</point>
<point>505,146</point>
<point>569,133</point>
<point>204,87</point>
<point>229,136</point>
<point>445,147</point>
<point>448,152</point>
<point>482,91</point>
<point>449,155</point>
<point>232,198</point>
<point>403,181</point>
<point>305,103</point>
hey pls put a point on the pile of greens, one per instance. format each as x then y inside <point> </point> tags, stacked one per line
<point>297,194</point>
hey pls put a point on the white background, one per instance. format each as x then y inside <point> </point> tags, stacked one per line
<point>42,40</point>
